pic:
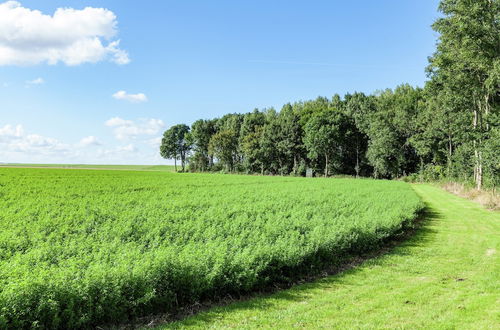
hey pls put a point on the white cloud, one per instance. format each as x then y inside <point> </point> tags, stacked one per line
<point>18,146</point>
<point>37,81</point>
<point>90,141</point>
<point>134,98</point>
<point>128,129</point>
<point>154,142</point>
<point>127,148</point>
<point>71,36</point>
<point>117,121</point>
<point>9,132</point>
<point>14,139</point>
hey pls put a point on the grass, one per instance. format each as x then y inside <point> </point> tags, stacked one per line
<point>81,247</point>
<point>169,168</point>
<point>447,276</point>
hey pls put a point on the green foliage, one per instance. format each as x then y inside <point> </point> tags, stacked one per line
<point>201,133</point>
<point>322,138</point>
<point>81,248</point>
<point>224,146</point>
<point>465,79</point>
<point>176,143</point>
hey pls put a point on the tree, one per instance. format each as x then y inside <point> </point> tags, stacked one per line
<point>176,143</point>
<point>201,132</point>
<point>249,140</point>
<point>289,136</point>
<point>321,137</point>
<point>224,145</point>
<point>466,65</point>
<point>389,131</point>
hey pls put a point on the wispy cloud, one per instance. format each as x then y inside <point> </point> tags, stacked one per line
<point>128,129</point>
<point>327,64</point>
<point>17,145</point>
<point>134,98</point>
<point>90,141</point>
<point>37,81</point>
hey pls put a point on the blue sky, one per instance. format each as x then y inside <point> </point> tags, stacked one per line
<point>178,61</point>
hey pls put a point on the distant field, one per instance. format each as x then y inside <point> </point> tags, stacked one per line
<point>96,167</point>
<point>82,248</point>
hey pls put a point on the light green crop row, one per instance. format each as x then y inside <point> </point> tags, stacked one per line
<point>80,248</point>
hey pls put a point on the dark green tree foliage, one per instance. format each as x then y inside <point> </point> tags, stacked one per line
<point>250,141</point>
<point>201,132</point>
<point>465,73</point>
<point>322,139</point>
<point>271,156</point>
<point>290,139</point>
<point>176,144</point>
<point>391,126</point>
<point>224,146</point>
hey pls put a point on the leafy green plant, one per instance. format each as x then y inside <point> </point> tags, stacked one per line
<point>81,248</point>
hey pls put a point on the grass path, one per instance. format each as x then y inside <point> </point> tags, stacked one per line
<point>446,276</point>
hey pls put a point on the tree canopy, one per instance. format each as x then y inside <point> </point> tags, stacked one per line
<point>450,128</point>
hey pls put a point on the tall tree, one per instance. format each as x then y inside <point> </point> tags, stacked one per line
<point>466,65</point>
<point>176,143</point>
<point>289,136</point>
<point>224,146</point>
<point>322,138</point>
<point>250,137</point>
<point>201,132</point>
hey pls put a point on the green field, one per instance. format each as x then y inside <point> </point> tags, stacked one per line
<point>81,248</point>
<point>447,276</point>
<point>169,168</point>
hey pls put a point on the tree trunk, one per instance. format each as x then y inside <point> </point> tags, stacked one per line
<point>450,152</point>
<point>175,163</point>
<point>357,160</point>
<point>326,165</point>
<point>478,166</point>
<point>421,169</point>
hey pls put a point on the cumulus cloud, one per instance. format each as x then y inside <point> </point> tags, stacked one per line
<point>71,36</point>
<point>134,98</point>
<point>129,129</point>
<point>9,132</point>
<point>37,81</point>
<point>90,141</point>
<point>14,139</point>
<point>19,146</point>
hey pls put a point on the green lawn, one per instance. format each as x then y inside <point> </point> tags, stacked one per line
<point>446,276</point>
<point>169,168</point>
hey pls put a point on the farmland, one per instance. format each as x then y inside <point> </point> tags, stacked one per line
<point>169,168</point>
<point>80,248</point>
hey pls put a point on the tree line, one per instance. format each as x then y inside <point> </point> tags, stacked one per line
<point>450,128</point>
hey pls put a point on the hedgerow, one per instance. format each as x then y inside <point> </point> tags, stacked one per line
<point>80,248</point>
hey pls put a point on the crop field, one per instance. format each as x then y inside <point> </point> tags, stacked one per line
<point>169,168</point>
<point>81,247</point>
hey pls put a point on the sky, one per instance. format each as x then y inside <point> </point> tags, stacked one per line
<point>98,82</point>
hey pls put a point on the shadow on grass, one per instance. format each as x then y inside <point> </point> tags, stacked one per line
<point>407,244</point>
